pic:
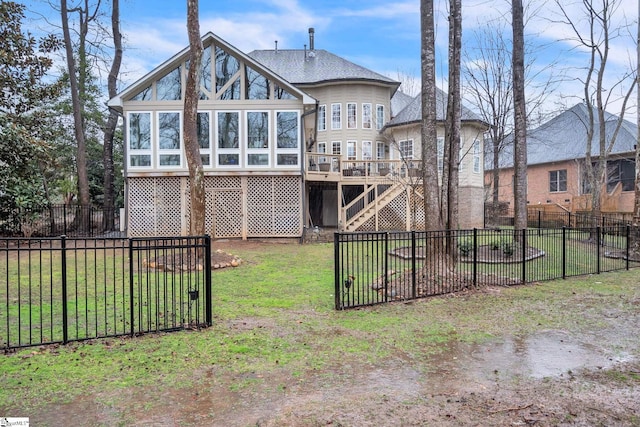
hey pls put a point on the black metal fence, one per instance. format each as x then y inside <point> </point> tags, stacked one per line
<point>58,290</point>
<point>542,219</point>
<point>374,268</point>
<point>56,220</point>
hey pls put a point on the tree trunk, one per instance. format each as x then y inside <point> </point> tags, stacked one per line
<point>81,151</point>
<point>190,117</point>
<point>112,123</point>
<point>635,236</point>
<point>520,118</point>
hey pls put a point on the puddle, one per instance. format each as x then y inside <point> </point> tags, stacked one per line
<point>546,354</point>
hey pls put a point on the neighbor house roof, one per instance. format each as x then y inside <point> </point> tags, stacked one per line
<point>306,67</point>
<point>412,113</point>
<point>399,101</point>
<point>564,137</point>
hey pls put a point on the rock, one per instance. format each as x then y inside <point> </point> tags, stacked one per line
<point>235,263</point>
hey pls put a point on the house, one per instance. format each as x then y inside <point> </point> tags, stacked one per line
<point>289,139</point>
<point>556,165</point>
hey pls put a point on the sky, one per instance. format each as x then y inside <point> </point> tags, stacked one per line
<point>382,35</point>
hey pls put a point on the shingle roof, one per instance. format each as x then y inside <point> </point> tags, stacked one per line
<point>317,66</point>
<point>412,113</point>
<point>564,137</point>
<point>399,101</point>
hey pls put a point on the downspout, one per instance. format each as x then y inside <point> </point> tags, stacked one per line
<point>303,148</point>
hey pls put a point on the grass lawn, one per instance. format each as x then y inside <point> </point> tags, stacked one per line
<point>275,313</point>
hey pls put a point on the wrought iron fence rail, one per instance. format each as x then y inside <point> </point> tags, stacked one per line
<point>379,267</point>
<point>57,290</point>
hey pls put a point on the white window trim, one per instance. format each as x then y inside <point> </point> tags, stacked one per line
<point>161,151</point>
<point>217,150</point>
<point>322,144</point>
<point>367,124</point>
<point>355,115</point>
<point>333,143</point>
<point>141,152</point>
<point>295,150</point>
<point>400,151</point>
<point>338,125</point>
<point>270,139</point>
<point>378,145</point>
<point>322,124</point>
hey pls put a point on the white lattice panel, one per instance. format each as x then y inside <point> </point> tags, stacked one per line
<point>154,206</point>
<point>227,214</point>
<point>394,215</point>
<point>274,206</point>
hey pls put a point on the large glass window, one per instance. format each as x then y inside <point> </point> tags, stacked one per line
<point>257,85</point>
<point>205,74</point>
<point>169,136</point>
<point>406,149</point>
<point>440,141</point>
<point>226,68</point>
<point>336,116</point>
<point>366,116</point>
<point>557,181</point>
<point>257,138</point>
<point>366,150</point>
<point>352,113</point>
<point>139,139</point>
<point>169,87</point>
<point>336,147</point>
<point>322,117</point>
<point>351,150</point>
<point>143,95</point>
<point>379,116</point>
<point>227,136</point>
<point>288,138</point>
<point>281,93</point>
<point>621,171</point>
<point>204,138</point>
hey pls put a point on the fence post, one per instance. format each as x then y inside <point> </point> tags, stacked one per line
<point>386,266</point>
<point>131,287</point>
<point>337,268</point>
<point>413,263</point>
<point>524,256</point>
<point>598,250</point>
<point>207,280</point>
<point>564,252</point>
<point>475,257</point>
<point>65,322</point>
<point>627,249</point>
<point>64,219</point>
<point>569,219</point>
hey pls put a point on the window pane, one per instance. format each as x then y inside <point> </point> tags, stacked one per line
<point>283,94</point>
<point>226,67</point>
<point>143,95</point>
<point>366,150</point>
<point>140,131</point>
<point>140,160</point>
<point>379,117</point>
<point>258,159</point>
<point>228,130</point>
<point>203,130</point>
<point>287,159</point>
<point>228,159</point>
<point>170,160</point>
<point>366,116</point>
<point>258,130</point>
<point>288,129</point>
<point>257,85</point>
<point>169,131</point>
<point>322,117</point>
<point>205,72</point>
<point>206,159</point>
<point>336,116</point>
<point>169,87</point>
<point>351,116</point>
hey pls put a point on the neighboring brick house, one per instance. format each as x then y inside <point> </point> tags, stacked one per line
<point>556,164</point>
<point>290,139</point>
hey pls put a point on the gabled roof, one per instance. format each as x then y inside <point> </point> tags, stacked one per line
<point>304,67</point>
<point>207,40</point>
<point>412,113</point>
<point>564,137</point>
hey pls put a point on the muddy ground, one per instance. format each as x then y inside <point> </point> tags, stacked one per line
<point>552,378</point>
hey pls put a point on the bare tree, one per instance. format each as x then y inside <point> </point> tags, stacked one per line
<point>451,162</point>
<point>520,117</point>
<point>433,220</point>
<point>77,83</point>
<point>596,97</point>
<point>112,121</point>
<point>190,122</point>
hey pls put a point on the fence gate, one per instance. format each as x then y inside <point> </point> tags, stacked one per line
<point>58,290</point>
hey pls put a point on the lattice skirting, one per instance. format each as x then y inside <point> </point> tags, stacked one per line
<point>254,206</point>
